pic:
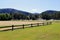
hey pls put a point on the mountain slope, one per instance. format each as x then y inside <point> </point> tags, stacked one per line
<point>16,14</point>
<point>51,14</point>
<point>10,10</point>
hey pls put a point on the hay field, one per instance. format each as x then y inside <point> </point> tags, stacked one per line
<point>9,23</point>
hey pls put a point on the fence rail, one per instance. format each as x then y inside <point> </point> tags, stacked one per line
<point>12,27</point>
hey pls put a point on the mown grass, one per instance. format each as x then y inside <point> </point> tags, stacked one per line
<point>48,32</point>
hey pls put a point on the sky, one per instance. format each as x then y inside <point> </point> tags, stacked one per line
<point>33,6</point>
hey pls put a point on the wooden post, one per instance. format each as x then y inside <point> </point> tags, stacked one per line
<point>43,24</point>
<point>47,23</point>
<point>50,22</point>
<point>37,24</point>
<point>31,25</point>
<point>23,26</point>
<point>12,27</point>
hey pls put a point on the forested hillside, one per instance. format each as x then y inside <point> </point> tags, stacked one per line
<point>50,14</point>
<point>13,14</point>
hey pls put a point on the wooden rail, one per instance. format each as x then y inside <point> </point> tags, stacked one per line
<point>24,26</point>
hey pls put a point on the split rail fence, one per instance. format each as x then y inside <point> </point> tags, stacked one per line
<point>13,27</point>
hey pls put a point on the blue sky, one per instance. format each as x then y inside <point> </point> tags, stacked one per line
<point>31,5</point>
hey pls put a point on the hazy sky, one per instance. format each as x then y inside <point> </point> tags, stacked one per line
<point>31,5</point>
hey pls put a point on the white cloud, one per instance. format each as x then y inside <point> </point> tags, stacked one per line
<point>34,10</point>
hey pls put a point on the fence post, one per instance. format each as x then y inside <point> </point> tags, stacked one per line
<point>31,25</point>
<point>50,22</point>
<point>43,24</point>
<point>23,26</point>
<point>47,23</point>
<point>37,24</point>
<point>12,27</point>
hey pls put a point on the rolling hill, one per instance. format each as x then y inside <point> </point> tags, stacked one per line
<point>10,10</point>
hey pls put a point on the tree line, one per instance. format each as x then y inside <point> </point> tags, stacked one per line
<point>53,15</point>
<point>17,16</point>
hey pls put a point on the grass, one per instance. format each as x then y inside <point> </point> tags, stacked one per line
<point>48,32</point>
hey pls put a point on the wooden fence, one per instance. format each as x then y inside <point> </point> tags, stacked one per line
<point>25,25</point>
<point>32,25</point>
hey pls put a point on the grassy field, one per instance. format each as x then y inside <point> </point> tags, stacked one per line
<point>48,32</point>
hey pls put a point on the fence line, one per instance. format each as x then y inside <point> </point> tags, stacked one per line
<point>31,25</point>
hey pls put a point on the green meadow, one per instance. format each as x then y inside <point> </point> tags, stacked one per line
<point>47,32</point>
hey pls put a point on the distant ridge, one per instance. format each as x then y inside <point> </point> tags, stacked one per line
<point>10,10</point>
<point>51,14</point>
<point>50,11</point>
<point>9,14</point>
<point>13,14</point>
